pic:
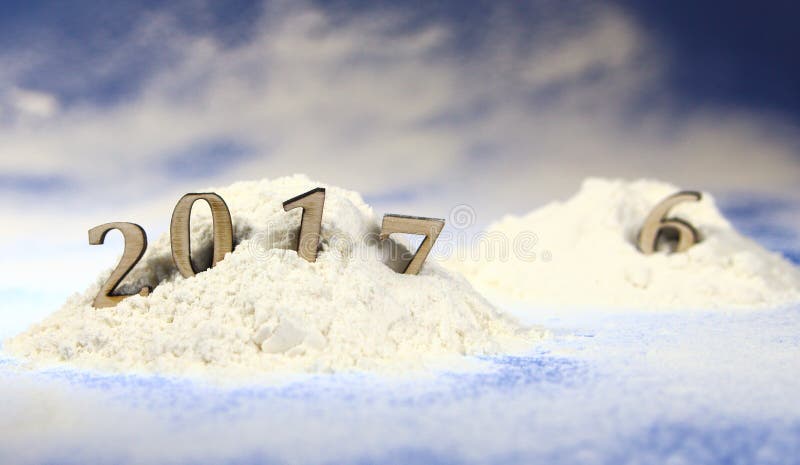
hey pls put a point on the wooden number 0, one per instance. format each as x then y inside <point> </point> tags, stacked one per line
<point>312,203</point>
<point>135,245</point>
<point>429,227</point>
<point>180,235</point>
<point>656,223</point>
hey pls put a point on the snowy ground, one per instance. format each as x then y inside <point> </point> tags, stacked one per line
<point>639,387</point>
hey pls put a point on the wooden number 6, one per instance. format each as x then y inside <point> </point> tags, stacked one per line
<point>180,236</point>
<point>312,203</point>
<point>135,245</point>
<point>656,224</point>
<point>428,227</point>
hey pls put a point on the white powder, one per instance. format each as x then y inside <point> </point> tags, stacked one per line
<point>263,309</point>
<point>584,255</point>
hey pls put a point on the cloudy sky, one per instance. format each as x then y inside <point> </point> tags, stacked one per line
<point>111,112</point>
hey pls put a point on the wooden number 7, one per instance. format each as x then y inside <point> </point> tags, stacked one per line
<point>428,227</point>
<point>656,224</point>
<point>135,245</point>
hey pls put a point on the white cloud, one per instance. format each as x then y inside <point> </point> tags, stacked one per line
<point>33,103</point>
<point>607,45</point>
<point>351,103</point>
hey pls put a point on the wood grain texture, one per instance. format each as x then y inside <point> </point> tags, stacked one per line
<point>428,227</point>
<point>179,230</point>
<point>656,224</point>
<point>135,246</point>
<point>313,204</point>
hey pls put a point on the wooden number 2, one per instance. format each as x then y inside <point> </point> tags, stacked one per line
<point>312,203</point>
<point>180,235</point>
<point>429,227</point>
<point>135,245</point>
<point>656,224</point>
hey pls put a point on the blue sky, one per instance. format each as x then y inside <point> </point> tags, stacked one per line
<point>112,111</point>
<point>734,53</point>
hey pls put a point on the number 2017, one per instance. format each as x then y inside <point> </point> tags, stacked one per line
<point>311,203</point>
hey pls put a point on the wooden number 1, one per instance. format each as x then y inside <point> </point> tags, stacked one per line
<point>656,224</point>
<point>135,245</point>
<point>428,227</point>
<point>180,235</point>
<point>312,203</point>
